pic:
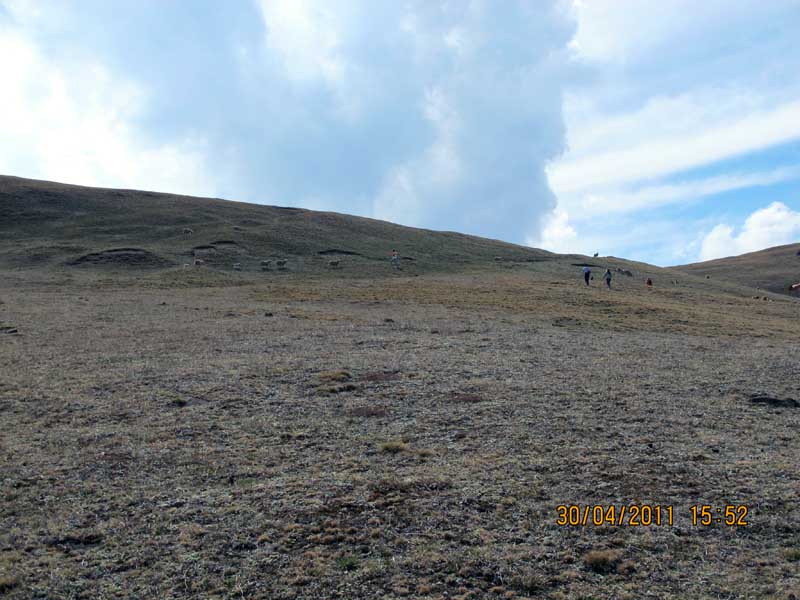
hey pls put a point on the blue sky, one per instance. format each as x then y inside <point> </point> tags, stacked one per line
<point>666,132</point>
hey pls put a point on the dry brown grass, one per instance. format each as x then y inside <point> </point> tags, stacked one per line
<point>154,447</point>
<point>393,447</point>
<point>369,411</point>
<point>8,583</point>
<point>602,561</point>
<point>338,376</point>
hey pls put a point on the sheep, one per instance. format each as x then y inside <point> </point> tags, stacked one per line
<point>333,263</point>
<point>281,263</point>
<point>265,265</point>
<point>198,262</point>
<point>237,266</point>
<point>187,231</point>
<point>186,265</point>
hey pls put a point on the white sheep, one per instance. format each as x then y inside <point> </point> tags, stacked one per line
<point>265,265</point>
<point>281,263</point>
<point>333,263</point>
<point>187,231</point>
<point>237,266</point>
<point>186,265</point>
<point>198,262</point>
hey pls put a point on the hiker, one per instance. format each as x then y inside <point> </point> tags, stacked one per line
<point>608,277</point>
<point>649,283</point>
<point>587,273</point>
<point>395,259</point>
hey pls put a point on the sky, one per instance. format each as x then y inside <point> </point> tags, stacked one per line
<point>664,132</point>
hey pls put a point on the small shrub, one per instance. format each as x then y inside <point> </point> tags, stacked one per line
<point>338,376</point>
<point>626,567</point>
<point>528,582</point>
<point>792,554</point>
<point>8,583</point>
<point>465,398</point>
<point>379,377</point>
<point>347,563</point>
<point>368,411</point>
<point>393,447</point>
<point>336,389</point>
<point>602,561</point>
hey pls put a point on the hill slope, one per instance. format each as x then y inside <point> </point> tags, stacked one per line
<point>52,224</point>
<point>773,269</point>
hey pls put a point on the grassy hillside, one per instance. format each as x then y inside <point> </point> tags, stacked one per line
<point>367,434</point>
<point>52,224</point>
<point>773,269</point>
<point>139,238</point>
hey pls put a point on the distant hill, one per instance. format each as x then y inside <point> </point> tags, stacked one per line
<point>773,269</point>
<point>47,224</point>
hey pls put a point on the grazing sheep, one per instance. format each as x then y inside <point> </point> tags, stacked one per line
<point>198,262</point>
<point>186,265</point>
<point>281,263</point>
<point>333,263</point>
<point>187,231</point>
<point>265,265</point>
<point>237,266</point>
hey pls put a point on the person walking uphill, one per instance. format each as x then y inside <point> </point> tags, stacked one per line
<point>608,277</point>
<point>587,273</point>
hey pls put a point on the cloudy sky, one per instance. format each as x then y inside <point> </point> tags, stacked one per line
<point>666,131</point>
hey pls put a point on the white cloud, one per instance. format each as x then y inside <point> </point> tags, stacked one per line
<point>669,88</point>
<point>462,102</point>
<point>658,241</point>
<point>558,235</point>
<point>692,145</point>
<point>77,124</point>
<point>307,35</point>
<point>631,30</point>
<point>587,205</point>
<point>774,225</point>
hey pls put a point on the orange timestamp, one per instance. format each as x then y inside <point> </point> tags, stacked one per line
<point>732,515</point>
<point>633,515</point>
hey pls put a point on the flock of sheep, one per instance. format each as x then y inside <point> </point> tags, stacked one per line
<point>266,265</point>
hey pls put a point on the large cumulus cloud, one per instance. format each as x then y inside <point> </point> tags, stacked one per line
<point>437,114</point>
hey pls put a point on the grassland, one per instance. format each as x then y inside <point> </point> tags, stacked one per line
<point>773,269</point>
<point>370,433</point>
